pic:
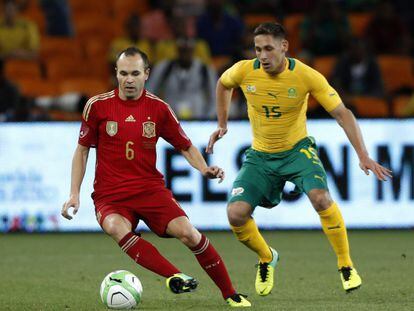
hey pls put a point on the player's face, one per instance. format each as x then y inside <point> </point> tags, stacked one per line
<point>270,51</point>
<point>131,75</point>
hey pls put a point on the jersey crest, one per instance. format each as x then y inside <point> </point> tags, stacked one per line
<point>111,128</point>
<point>148,129</point>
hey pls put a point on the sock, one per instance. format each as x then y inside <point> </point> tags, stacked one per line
<point>146,255</point>
<point>212,263</point>
<point>250,236</point>
<point>334,227</point>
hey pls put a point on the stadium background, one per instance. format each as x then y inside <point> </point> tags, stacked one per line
<point>64,54</point>
<point>68,57</point>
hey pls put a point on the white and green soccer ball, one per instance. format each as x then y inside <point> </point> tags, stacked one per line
<point>121,290</point>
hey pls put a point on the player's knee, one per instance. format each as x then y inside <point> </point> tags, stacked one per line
<point>238,213</point>
<point>321,200</point>
<point>112,227</point>
<point>189,236</point>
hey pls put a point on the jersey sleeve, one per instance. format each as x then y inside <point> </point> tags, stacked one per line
<point>172,131</point>
<point>323,92</point>
<point>233,77</point>
<point>88,134</point>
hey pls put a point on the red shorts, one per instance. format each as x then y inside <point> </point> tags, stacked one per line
<point>155,207</point>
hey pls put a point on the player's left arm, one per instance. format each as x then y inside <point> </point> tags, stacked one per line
<point>348,122</point>
<point>196,160</point>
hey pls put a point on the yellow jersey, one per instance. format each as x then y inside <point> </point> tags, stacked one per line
<point>277,104</point>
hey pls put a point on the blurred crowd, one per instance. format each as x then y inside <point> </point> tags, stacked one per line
<point>54,54</point>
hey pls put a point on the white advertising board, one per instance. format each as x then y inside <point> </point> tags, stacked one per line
<point>35,163</point>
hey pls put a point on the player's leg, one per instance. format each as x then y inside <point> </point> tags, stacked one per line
<point>119,225</point>
<point>309,176</point>
<point>245,196</point>
<point>334,228</point>
<point>207,256</point>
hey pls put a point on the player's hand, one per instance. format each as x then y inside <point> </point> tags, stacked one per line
<point>212,172</point>
<point>217,134</point>
<point>72,202</point>
<point>367,164</point>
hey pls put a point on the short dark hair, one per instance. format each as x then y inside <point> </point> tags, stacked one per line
<point>274,29</point>
<point>131,51</point>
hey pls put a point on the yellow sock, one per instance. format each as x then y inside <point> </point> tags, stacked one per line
<point>250,236</point>
<point>334,227</point>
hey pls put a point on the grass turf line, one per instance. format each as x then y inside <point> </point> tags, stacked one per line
<point>64,272</point>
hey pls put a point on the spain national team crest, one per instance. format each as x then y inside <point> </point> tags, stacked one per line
<point>148,129</point>
<point>111,128</point>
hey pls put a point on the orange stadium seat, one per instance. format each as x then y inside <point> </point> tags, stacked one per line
<point>60,115</point>
<point>91,28</point>
<point>37,87</point>
<point>397,71</point>
<point>35,14</point>
<point>252,20</point>
<point>370,107</point>
<point>103,7</point>
<point>15,69</point>
<point>58,69</point>
<point>359,22</point>
<point>325,65</point>
<point>55,47</point>
<point>89,87</point>
<point>122,9</point>
<point>398,105</point>
<point>292,24</point>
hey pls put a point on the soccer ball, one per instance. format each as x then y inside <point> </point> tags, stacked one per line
<point>121,290</point>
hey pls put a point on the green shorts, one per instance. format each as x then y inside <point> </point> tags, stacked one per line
<point>263,175</point>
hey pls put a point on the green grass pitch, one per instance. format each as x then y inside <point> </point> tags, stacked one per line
<point>64,272</point>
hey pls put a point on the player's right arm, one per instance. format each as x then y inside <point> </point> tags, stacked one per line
<point>229,80</point>
<point>88,137</point>
<point>223,99</point>
<point>79,161</point>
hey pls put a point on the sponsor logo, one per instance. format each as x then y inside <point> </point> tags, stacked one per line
<point>237,191</point>
<point>273,95</point>
<point>251,89</point>
<point>111,128</point>
<point>292,93</point>
<point>318,177</point>
<point>130,118</point>
<point>338,226</point>
<point>84,131</point>
<point>148,129</point>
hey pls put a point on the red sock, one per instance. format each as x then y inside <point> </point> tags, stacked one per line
<point>212,263</point>
<point>146,255</point>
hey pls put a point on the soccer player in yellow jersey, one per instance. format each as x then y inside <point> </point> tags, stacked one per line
<point>277,90</point>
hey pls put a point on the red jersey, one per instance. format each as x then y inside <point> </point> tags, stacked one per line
<point>124,133</point>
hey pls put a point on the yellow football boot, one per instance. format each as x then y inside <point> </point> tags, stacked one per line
<point>180,283</point>
<point>350,278</point>
<point>238,301</point>
<point>265,275</point>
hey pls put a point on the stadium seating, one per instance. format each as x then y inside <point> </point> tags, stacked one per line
<point>37,87</point>
<point>292,24</point>
<point>62,68</point>
<point>398,105</point>
<point>397,72</point>
<point>252,20</point>
<point>86,86</point>
<point>56,47</point>
<point>325,65</point>
<point>359,22</point>
<point>16,68</point>
<point>370,107</point>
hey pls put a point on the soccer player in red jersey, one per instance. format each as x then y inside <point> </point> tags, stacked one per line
<point>124,126</point>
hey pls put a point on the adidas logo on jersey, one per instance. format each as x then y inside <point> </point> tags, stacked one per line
<point>130,118</point>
